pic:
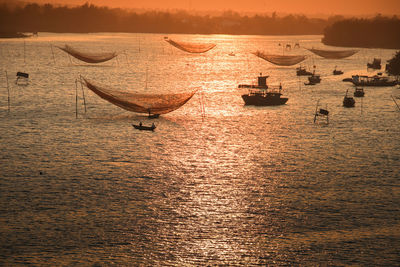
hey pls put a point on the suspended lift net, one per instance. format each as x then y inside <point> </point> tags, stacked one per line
<point>141,103</point>
<point>281,60</point>
<point>88,57</point>
<point>191,47</point>
<point>333,54</point>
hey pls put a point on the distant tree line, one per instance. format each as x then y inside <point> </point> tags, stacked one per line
<point>90,18</point>
<point>379,32</point>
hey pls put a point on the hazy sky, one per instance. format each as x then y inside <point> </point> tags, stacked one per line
<point>345,7</point>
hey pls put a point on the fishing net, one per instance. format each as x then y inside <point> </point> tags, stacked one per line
<point>88,57</point>
<point>191,47</point>
<point>141,103</point>
<point>281,60</point>
<point>333,54</point>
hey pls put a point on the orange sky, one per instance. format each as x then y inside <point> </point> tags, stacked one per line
<point>344,7</point>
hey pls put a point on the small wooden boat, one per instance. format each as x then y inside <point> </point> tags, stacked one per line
<point>301,71</point>
<point>314,78</point>
<point>348,101</point>
<point>359,92</point>
<point>337,72</point>
<point>144,128</point>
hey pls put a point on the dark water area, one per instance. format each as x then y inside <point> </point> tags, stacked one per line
<point>240,186</point>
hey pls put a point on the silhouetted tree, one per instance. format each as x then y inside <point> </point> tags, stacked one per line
<point>90,18</point>
<point>379,32</point>
<point>393,66</point>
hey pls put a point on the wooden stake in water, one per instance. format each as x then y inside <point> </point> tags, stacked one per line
<point>395,103</point>
<point>54,59</point>
<point>83,93</point>
<point>127,60</point>
<point>24,51</point>
<point>76,98</point>
<point>8,91</point>
<point>147,70</point>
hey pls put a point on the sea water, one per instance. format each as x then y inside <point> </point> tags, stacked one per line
<point>217,183</point>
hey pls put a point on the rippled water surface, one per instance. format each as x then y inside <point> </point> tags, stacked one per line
<point>240,185</point>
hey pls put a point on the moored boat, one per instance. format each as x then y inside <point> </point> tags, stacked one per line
<point>314,78</point>
<point>359,92</point>
<point>301,71</point>
<point>262,95</point>
<point>144,128</point>
<point>376,80</point>
<point>376,64</point>
<point>337,72</point>
<point>348,101</point>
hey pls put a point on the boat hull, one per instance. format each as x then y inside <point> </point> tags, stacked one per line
<point>144,128</point>
<point>349,102</point>
<point>258,100</point>
<point>377,83</point>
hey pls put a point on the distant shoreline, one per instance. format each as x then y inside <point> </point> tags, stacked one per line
<point>13,35</point>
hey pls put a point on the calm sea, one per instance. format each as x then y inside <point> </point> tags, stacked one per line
<point>234,185</point>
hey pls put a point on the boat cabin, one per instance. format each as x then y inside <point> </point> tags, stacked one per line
<point>376,64</point>
<point>359,92</point>
<point>261,83</point>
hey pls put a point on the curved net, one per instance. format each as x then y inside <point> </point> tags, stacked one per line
<point>191,47</point>
<point>281,60</point>
<point>141,103</point>
<point>333,54</point>
<point>88,57</point>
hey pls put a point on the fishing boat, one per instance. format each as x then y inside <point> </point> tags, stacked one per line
<point>376,80</point>
<point>262,95</point>
<point>144,128</point>
<point>376,64</point>
<point>314,78</point>
<point>348,101</point>
<point>301,71</point>
<point>359,92</point>
<point>337,72</point>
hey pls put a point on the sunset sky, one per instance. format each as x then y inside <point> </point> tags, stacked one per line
<point>342,7</point>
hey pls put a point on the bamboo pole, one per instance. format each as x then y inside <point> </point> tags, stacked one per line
<point>8,91</point>
<point>54,59</point>
<point>24,51</point>
<point>126,57</point>
<point>83,93</point>
<point>395,103</point>
<point>76,98</point>
<point>316,111</point>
